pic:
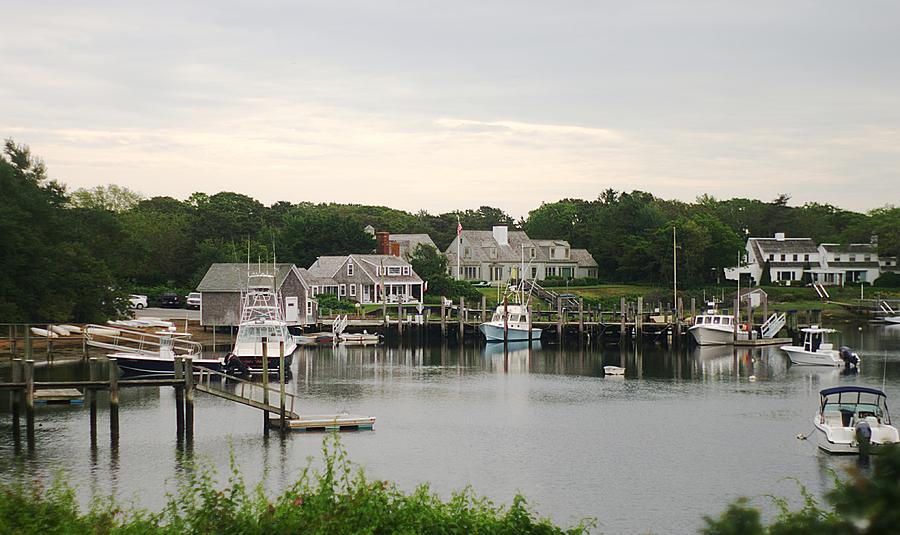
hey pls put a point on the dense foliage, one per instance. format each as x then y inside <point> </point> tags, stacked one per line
<point>336,500</point>
<point>867,503</point>
<point>66,257</point>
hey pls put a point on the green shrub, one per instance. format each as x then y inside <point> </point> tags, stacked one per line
<point>331,302</point>
<point>336,500</point>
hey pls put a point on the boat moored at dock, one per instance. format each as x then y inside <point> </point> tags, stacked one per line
<point>262,332</point>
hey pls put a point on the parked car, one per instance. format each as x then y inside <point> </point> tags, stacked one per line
<point>170,300</point>
<point>193,300</point>
<point>137,301</point>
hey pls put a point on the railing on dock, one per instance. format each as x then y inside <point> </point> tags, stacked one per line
<point>117,339</point>
<point>250,393</point>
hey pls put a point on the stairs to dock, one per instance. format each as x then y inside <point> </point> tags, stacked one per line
<point>772,325</point>
<point>551,297</point>
<point>821,291</point>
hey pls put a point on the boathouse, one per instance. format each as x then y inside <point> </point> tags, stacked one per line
<point>224,284</point>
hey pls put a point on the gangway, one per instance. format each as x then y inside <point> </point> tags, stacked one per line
<point>550,296</point>
<point>117,339</point>
<point>267,398</point>
<point>772,325</point>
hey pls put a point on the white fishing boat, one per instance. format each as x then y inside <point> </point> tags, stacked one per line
<point>613,370</point>
<point>163,361</point>
<point>850,417</point>
<point>816,351</point>
<point>510,322</point>
<point>713,328</point>
<point>262,330</point>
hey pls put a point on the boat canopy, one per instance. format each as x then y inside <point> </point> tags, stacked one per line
<point>854,389</point>
<point>817,329</point>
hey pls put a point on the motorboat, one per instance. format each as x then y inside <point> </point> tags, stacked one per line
<point>816,351</point>
<point>890,315</point>
<point>853,417</point>
<point>262,331</point>
<point>163,361</point>
<point>713,328</point>
<point>510,322</point>
<point>613,370</point>
<point>309,339</point>
<point>363,338</point>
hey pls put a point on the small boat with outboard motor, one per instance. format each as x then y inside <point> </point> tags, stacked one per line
<point>816,351</point>
<point>853,419</point>
<point>162,362</point>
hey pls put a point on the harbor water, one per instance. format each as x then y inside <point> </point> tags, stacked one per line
<point>681,435</point>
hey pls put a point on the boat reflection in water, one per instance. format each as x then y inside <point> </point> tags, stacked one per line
<point>514,358</point>
<point>751,363</point>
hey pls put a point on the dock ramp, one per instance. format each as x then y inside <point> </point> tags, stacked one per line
<point>772,325</point>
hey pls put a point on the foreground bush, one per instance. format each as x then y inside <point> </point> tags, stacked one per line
<point>335,500</point>
<point>864,504</point>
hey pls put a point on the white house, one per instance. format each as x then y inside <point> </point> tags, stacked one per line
<point>847,264</point>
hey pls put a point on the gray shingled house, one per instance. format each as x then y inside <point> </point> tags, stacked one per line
<point>366,278</point>
<point>223,285</point>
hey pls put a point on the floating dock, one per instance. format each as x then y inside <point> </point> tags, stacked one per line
<point>61,396</point>
<point>340,422</point>
<point>764,342</point>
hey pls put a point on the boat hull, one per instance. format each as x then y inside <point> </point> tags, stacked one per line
<point>708,335</point>
<point>159,366</point>
<point>495,333</point>
<point>893,319</point>
<point>801,357</point>
<point>254,363</point>
<point>847,445</point>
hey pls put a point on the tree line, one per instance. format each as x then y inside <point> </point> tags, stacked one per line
<point>68,255</point>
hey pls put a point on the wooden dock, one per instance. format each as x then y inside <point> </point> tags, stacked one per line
<point>61,396</point>
<point>763,342</point>
<point>339,422</point>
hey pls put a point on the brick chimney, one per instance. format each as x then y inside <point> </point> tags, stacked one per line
<point>383,243</point>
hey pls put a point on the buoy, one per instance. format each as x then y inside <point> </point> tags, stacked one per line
<point>752,378</point>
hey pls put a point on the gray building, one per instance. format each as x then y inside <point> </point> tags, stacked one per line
<point>366,278</point>
<point>224,285</point>
<point>498,255</point>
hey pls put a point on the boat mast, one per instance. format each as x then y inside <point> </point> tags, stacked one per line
<point>738,300</point>
<point>674,272</point>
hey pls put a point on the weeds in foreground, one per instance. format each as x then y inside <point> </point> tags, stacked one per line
<point>337,499</point>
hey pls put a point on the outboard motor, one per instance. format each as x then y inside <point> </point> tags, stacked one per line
<point>851,359</point>
<point>863,434</point>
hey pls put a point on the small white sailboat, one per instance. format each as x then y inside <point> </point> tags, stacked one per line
<point>853,416</point>
<point>815,351</point>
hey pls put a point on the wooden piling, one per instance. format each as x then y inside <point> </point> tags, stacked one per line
<point>639,317</point>
<point>581,317</point>
<point>29,403</point>
<point>483,309</point>
<point>189,397</point>
<point>679,314</point>
<point>622,317</point>
<point>462,317</point>
<point>265,378</point>
<point>178,366</point>
<point>399,318</point>
<point>559,319</point>
<point>93,373</point>
<point>282,418</point>
<point>505,323</point>
<point>114,400</point>
<point>737,316</point>
<point>443,318</point>
<point>693,308</point>
<point>16,401</point>
<point>528,310</point>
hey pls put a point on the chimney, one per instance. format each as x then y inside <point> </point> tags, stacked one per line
<point>395,249</point>
<point>779,236</point>
<point>501,235</point>
<point>383,243</point>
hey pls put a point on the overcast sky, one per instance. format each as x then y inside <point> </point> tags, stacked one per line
<point>447,105</point>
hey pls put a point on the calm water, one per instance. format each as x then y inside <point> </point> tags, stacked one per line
<point>680,436</point>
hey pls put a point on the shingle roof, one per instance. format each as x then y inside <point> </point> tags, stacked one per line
<point>371,262</point>
<point>583,257</point>
<point>480,242</point>
<point>788,245</point>
<point>312,280</point>
<point>849,247</point>
<point>409,242</point>
<point>326,266</point>
<point>232,277</point>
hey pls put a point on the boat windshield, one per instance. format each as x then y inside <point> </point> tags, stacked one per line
<point>859,404</point>
<point>252,333</point>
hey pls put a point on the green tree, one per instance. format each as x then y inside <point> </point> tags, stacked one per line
<point>431,265</point>
<point>110,197</point>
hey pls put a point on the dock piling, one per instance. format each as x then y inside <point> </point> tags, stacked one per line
<point>462,317</point>
<point>114,401</point>
<point>265,378</point>
<point>16,401</point>
<point>178,366</point>
<point>281,392</point>
<point>29,403</point>
<point>92,399</point>
<point>188,398</point>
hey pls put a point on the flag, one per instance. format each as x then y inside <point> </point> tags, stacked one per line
<point>458,227</point>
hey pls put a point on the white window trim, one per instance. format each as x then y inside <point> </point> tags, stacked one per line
<point>394,271</point>
<point>406,270</point>
<point>352,290</point>
<point>342,290</point>
<point>350,268</point>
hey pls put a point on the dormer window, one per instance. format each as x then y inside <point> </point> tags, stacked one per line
<point>406,270</point>
<point>393,271</point>
<point>492,252</point>
<point>467,253</point>
<point>796,257</point>
<point>531,252</point>
<point>853,258</point>
<point>553,252</point>
<point>771,257</point>
<point>783,258</point>
<point>350,268</point>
